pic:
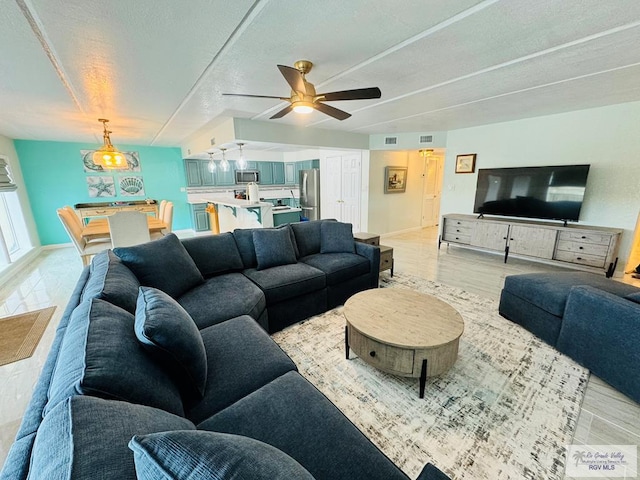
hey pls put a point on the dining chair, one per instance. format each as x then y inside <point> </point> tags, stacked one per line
<point>77,220</point>
<point>74,230</point>
<point>128,228</point>
<point>167,219</point>
<point>163,204</point>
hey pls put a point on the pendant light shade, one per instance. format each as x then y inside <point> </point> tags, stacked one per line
<point>242,163</point>
<point>224,164</point>
<point>212,165</point>
<point>107,156</point>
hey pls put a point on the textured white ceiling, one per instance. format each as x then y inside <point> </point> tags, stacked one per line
<point>157,69</point>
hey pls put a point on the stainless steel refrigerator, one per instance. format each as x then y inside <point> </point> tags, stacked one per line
<point>310,193</point>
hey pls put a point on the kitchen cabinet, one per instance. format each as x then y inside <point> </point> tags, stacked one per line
<point>226,178</point>
<point>198,174</point>
<point>278,173</point>
<point>266,173</point>
<point>290,177</point>
<point>200,217</point>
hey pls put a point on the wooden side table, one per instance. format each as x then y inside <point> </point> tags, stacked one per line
<point>386,253</point>
<point>364,237</point>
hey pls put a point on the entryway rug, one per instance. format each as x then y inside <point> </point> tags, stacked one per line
<point>505,410</point>
<point>20,334</point>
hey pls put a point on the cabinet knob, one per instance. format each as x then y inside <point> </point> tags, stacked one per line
<point>457,230</point>
<point>578,258</point>
<point>457,238</point>
<point>583,237</point>
<point>580,248</point>
<point>504,238</point>
<point>511,239</point>
<point>372,353</point>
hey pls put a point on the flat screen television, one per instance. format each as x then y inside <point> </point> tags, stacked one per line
<point>554,192</point>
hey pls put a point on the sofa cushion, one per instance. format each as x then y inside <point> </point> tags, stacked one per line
<point>634,297</point>
<point>223,297</point>
<point>112,281</point>
<point>86,438</point>
<point>198,455</point>
<point>287,281</point>
<point>244,242</point>
<point>241,358</point>
<point>214,254</point>
<point>549,291</point>
<point>163,264</point>
<point>336,237</point>
<point>307,235</point>
<point>101,356</point>
<point>330,447</point>
<point>168,332</point>
<point>273,247</point>
<point>338,267</point>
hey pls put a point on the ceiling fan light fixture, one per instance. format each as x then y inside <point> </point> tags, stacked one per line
<point>108,156</point>
<point>303,107</point>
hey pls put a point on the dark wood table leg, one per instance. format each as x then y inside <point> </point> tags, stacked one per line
<point>423,377</point>
<point>346,340</point>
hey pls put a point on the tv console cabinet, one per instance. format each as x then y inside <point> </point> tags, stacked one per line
<point>584,247</point>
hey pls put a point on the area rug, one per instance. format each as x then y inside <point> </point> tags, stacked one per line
<point>505,410</point>
<point>20,334</point>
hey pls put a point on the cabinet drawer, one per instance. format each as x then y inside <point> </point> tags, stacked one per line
<point>586,248</point>
<point>96,212</point>
<point>449,222</point>
<point>586,237</point>
<point>141,208</point>
<point>580,258</point>
<point>456,237</point>
<point>384,357</point>
<point>457,229</point>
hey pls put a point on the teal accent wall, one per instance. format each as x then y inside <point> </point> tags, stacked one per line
<point>54,176</point>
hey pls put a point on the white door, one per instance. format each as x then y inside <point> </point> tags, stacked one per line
<point>351,184</point>
<point>432,191</point>
<point>340,189</point>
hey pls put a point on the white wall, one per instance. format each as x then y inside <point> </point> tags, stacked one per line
<point>608,138</point>
<point>7,149</point>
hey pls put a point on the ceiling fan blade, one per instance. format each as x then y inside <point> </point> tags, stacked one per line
<point>252,96</point>
<point>282,112</point>
<point>294,78</point>
<point>357,94</point>
<point>332,111</point>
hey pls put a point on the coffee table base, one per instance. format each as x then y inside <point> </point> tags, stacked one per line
<point>423,369</point>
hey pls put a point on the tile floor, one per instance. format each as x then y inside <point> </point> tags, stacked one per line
<point>607,417</point>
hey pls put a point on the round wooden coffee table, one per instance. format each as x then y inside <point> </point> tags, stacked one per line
<point>403,332</point>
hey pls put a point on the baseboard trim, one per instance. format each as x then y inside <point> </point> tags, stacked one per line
<point>399,232</point>
<point>9,272</point>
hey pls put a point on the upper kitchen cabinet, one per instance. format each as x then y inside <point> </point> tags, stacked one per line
<point>290,177</point>
<point>266,173</point>
<point>278,173</point>
<point>198,174</point>
<point>226,178</point>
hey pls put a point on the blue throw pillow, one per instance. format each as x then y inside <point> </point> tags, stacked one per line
<point>214,254</point>
<point>112,281</point>
<point>166,330</point>
<point>163,264</point>
<point>202,455</point>
<point>273,247</point>
<point>336,237</point>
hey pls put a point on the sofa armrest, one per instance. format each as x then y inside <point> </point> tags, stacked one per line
<point>431,472</point>
<point>371,253</point>
<point>601,331</point>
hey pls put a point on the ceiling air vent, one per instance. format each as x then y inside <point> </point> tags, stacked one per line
<point>426,138</point>
<point>390,140</point>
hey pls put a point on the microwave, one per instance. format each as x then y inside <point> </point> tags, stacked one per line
<point>247,176</point>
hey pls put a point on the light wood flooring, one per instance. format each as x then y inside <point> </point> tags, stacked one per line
<point>607,417</point>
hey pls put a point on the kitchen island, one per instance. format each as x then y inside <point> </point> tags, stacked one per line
<point>236,213</point>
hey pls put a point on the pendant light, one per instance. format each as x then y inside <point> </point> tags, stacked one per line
<point>107,156</point>
<point>242,163</point>
<point>212,165</point>
<point>224,164</point>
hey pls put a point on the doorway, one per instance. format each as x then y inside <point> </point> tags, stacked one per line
<point>341,185</point>
<point>432,174</point>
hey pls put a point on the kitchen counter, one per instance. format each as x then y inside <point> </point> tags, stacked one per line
<point>229,202</point>
<point>278,210</point>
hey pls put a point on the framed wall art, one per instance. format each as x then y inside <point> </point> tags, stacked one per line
<point>466,163</point>
<point>395,179</point>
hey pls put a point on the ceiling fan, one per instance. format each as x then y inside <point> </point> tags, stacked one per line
<point>304,98</point>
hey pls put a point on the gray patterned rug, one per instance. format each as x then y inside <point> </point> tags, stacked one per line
<point>504,411</point>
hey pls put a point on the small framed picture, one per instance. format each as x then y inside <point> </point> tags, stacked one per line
<point>395,179</point>
<point>466,163</point>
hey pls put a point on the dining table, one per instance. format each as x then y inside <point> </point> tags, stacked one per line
<point>99,228</point>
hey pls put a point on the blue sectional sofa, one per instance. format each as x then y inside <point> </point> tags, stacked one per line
<point>590,318</point>
<point>162,366</point>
